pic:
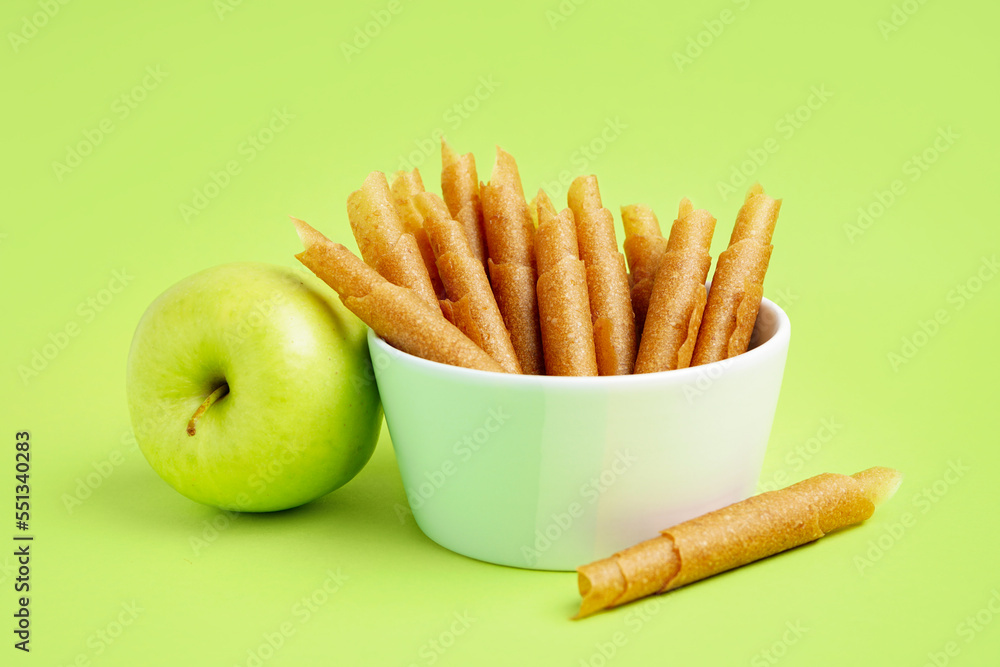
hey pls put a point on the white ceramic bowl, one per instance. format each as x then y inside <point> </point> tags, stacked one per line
<point>552,472</point>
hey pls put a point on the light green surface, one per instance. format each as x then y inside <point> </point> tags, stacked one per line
<point>209,595</point>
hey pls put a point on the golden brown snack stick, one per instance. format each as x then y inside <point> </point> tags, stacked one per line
<point>738,283</point>
<point>521,318</point>
<point>460,187</point>
<point>741,533</point>
<point>510,244</point>
<point>405,186</point>
<point>397,314</point>
<point>560,238</point>
<point>506,219</point>
<point>678,298</point>
<point>472,306</point>
<point>384,244</point>
<point>644,247</point>
<point>563,301</point>
<point>607,279</point>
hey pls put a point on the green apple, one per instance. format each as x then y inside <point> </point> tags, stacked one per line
<point>250,388</point>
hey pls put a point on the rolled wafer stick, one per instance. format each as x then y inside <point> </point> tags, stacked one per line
<point>460,188</point>
<point>405,186</point>
<point>741,533</point>
<point>563,301</point>
<point>471,304</point>
<point>403,319</point>
<point>678,298</point>
<point>644,247</point>
<point>510,244</point>
<point>607,279</point>
<point>738,283</point>
<point>384,243</point>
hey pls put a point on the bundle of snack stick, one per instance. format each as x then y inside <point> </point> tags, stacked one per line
<point>485,280</point>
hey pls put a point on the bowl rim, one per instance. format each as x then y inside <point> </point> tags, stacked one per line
<point>778,340</point>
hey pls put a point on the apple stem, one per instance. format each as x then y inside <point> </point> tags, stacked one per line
<point>219,392</point>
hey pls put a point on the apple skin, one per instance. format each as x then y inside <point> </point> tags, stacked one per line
<point>302,414</point>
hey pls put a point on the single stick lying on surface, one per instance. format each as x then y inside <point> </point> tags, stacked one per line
<point>678,298</point>
<point>510,243</point>
<point>384,243</point>
<point>563,302</point>
<point>607,279</point>
<point>470,305</point>
<point>460,188</point>
<point>403,319</point>
<point>738,283</point>
<point>405,186</point>
<point>741,533</point>
<point>644,246</point>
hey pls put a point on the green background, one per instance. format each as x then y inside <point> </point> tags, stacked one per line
<point>883,593</point>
